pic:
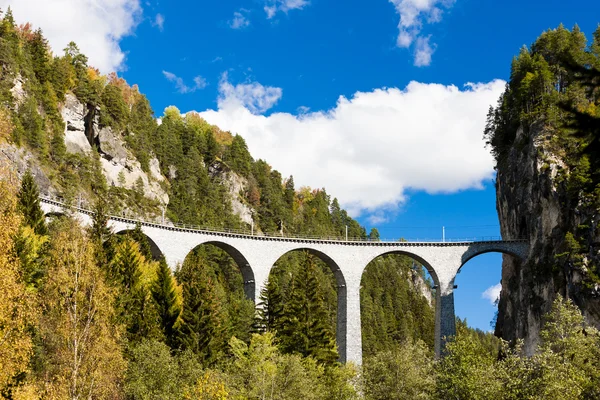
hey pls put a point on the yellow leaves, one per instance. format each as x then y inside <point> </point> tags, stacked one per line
<point>6,126</point>
<point>82,343</point>
<point>210,386</point>
<point>222,137</point>
<point>16,306</point>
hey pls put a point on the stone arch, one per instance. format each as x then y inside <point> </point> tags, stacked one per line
<point>432,301</point>
<point>342,305</point>
<point>54,214</point>
<point>514,249</point>
<point>412,255</point>
<point>240,260</point>
<point>156,252</point>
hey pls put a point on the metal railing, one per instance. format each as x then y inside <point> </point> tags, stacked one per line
<point>83,207</point>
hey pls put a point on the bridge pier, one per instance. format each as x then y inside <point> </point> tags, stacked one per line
<point>445,319</point>
<point>349,334</point>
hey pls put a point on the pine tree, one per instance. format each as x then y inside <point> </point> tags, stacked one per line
<point>29,205</point>
<point>134,304</point>
<point>142,240</point>
<point>168,301</point>
<point>305,327</point>
<point>271,314</point>
<point>202,328</point>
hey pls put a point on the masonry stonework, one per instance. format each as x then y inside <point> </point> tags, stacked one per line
<point>256,255</point>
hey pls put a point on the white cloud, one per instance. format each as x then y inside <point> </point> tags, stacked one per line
<point>272,7</point>
<point>239,20</point>
<point>369,149</point>
<point>199,83</point>
<point>413,14</point>
<point>96,26</point>
<point>492,293</point>
<point>423,52</point>
<point>159,22</point>
<point>252,97</point>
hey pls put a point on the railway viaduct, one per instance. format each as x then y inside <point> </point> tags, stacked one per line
<point>256,255</point>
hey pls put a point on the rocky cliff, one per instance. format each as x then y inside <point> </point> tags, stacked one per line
<point>535,202</point>
<point>544,135</point>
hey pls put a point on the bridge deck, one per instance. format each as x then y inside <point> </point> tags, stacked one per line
<point>244,234</point>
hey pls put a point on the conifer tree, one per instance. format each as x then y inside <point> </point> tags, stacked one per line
<point>270,314</point>
<point>168,301</point>
<point>142,240</point>
<point>202,327</point>
<point>134,304</point>
<point>29,205</point>
<point>305,329</point>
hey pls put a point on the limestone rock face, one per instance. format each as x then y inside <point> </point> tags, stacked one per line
<point>112,146</point>
<point>119,165</point>
<point>73,114</point>
<point>532,204</point>
<point>18,91</point>
<point>20,160</point>
<point>236,185</point>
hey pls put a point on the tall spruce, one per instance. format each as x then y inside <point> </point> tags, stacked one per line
<point>202,328</point>
<point>168,302</point>
<point>29,205</point>
<point>305,329</point>
<point>135,307</point>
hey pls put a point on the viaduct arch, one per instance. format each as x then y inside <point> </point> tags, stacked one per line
<point>256,255</point>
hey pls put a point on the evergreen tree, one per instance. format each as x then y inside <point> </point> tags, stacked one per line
<point>135,307</point>
<point>304,328</point>
<point>29,205</point>
<point>271,314</point>
<point>374,235</point>
<point>168,301</point>
<point>142,240</point>
<point>202,328</point>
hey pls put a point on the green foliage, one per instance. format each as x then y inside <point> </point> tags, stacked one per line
<point>260,371</point>
<point>305,329</point>
<point>168,301</point>
<point>114,111</point>
<point>135,307</point>
<point>154,373</point>
<point>202,328</point>
<point>564,366</point>
<point>29,205</point>
<point>405,372</point>
<point>300,307</point>
<point>392,311</point>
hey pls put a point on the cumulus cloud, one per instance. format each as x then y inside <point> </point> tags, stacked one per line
<point>199,83</point>
<point>252,97</point>
<point>371,148</point>
<point>96,26</point>
<point>239,20</point>
<point>413,15</point>
<point>272,7</point>
<point>159,22</point>
<point>492,293</point>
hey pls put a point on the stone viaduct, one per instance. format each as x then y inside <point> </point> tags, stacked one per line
<point>256,255</point>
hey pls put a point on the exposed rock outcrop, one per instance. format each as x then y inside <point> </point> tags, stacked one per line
<point>533,204</point>
<point>20,160</point>
<point>119,165</point>
<point>73,114</point>
<point>236,185</point>
<point>18,91</point>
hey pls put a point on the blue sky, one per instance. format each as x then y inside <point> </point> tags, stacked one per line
<point>322,90</point>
